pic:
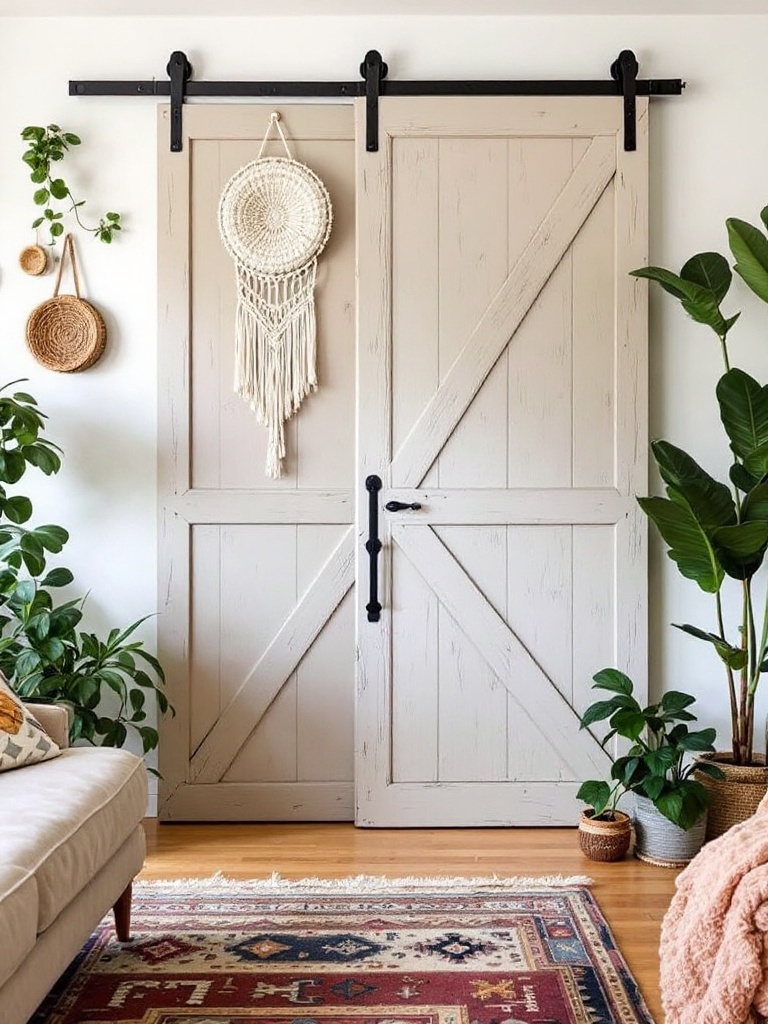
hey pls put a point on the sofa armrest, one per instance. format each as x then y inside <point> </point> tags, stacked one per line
<point>54,718</point>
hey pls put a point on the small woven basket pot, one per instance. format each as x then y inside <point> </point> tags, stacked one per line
<point>66,333</point>
<point>604,840</point>
<point>736,797</point>
<point>33,259</point>
<point>659,841</point>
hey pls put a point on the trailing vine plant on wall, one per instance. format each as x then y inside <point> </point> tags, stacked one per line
<point>46,147</point>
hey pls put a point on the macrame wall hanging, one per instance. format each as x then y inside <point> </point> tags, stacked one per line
<point>275,218</point>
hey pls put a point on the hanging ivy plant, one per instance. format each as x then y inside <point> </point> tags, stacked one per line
<point>47,146</point>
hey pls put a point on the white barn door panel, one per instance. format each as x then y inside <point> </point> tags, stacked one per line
<point>257,617</point>
<point>502,384</point>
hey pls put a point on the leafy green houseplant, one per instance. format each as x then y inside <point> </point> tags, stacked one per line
<point>717,532</point>
<point>655,765</point>
<point>46,147</point>
<point>43,653</point>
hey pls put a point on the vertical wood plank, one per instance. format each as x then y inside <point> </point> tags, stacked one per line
<point>594,609</point>
<point>472,701</point>
<point>472,246</point>
<point>632,404</point>
<point>173,458</point>
<point>205,632</point>
<point>539,418</point>
<point>594,350</point>
<point>326,675</point>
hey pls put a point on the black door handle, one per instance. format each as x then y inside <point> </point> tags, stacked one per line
<point>373,546</point>
<point>401,506</point>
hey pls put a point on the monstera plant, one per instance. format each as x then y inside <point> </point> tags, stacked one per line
<point>109,683</point>
<point>717,531</point>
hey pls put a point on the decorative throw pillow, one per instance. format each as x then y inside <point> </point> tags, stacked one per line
<point>22,740</point>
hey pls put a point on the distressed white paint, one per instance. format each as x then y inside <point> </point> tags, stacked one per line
<point>466,685</point>
<point>255,621</point>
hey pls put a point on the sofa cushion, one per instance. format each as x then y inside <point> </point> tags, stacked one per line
<point>18,918</point>
<point>64,819</point>
<point>22,740</point>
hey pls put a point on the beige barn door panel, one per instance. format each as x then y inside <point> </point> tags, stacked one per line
<point>257,619</point>
<point>506,346</point>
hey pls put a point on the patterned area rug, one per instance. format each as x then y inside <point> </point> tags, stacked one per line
<point>360,952</point>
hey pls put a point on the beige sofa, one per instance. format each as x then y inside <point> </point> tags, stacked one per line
<point>70,844</point>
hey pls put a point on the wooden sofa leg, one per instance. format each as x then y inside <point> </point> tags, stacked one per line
<point>122,911</point>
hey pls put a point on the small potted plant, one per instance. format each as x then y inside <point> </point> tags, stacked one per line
<point>670,805</point>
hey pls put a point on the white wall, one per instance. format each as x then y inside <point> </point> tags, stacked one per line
<point>709,159</point>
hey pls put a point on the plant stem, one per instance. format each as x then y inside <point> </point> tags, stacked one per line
<point>729,673</point>
<point>724,350</point>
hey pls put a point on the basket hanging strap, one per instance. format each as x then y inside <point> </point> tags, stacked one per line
<point>274,122</point>
<point>69,247</point>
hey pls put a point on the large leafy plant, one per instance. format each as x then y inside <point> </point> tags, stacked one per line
<point>716,532</point>
<point>657,764</point>
<point>43,653</point>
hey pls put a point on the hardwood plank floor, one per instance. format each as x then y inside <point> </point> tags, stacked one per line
<point>632,895</point>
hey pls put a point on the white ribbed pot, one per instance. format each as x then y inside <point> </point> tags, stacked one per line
<point>659,841</point>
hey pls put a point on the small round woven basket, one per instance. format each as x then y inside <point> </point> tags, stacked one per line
<point>604,840</point>
<point>66,333</point>
<point>33,259</point>
<point>736,797</point>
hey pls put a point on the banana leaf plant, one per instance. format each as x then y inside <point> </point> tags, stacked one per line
<point>717,532</point>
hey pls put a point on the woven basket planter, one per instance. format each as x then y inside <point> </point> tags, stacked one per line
<point>736,797</point>
<point>604,840</point>
<point>33,259</point>
<point>659,841</point>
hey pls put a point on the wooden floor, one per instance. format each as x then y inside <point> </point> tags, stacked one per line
<point>633,896</point>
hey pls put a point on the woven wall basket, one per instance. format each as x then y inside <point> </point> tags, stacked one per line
<point>66,333</point>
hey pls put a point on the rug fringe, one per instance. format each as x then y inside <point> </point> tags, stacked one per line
<point>275,883</point>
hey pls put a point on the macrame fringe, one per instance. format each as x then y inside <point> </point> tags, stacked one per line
<point>369,884</point>
<point>276,350</point>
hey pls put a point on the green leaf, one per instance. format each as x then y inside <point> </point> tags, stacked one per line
<point>115,217</point>
<point>33,132</point>
<point>688,484</point>
<point>674,700</point>
<point>72,139</point>
<point>18,509</point>
<point>596,794</point>
<point>699,303</point>
<point>750,249</point>
<point>59,577</point>
<point>740,549</point>
<point>711,271</point>
<point>149,737</point>
<point>59,189</point>
<point>37,222</point>
<point>764,216</point>
<point>662,760</point>
<point>735,657</point>
<point>671,806</point>
<point>613,680</point>
<point>755,505</point>
<point>701,741</point>
<point>710,769</point>
<point>53,538</point>
<point>689,545</point>
<point>41,197</point>
<point>597,712</point>
<point>744,412</point>
<point>652,786</point>
<point>56,230</point>
<point>42,456</point>
<point>629,724</point>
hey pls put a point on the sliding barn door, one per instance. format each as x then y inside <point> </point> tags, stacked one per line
<point>256,616</point>
<point>502,386</point>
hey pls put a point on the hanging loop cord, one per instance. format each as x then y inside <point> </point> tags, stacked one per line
<point>68,250</point>
<point>274,122</point>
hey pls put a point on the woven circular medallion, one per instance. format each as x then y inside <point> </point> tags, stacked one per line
<point>274,216</point>
<point>66,333</point>
<point>33,259</point>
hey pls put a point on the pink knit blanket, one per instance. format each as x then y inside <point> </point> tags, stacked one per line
<point>714,937</point>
